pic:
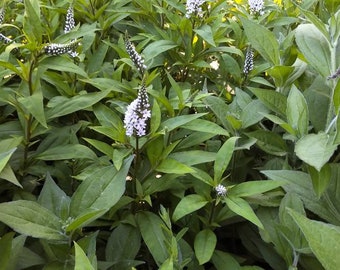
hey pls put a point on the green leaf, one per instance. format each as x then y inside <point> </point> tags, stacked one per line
<point>81,260</point>
<point>280,74</point>
<point>315,149</point>
<point>123,243</point>
<point>242,208</point>
<point>224,261</point>
<point>32,23</point>
<point>252,113</point>
<point>193,157</point>
<point>34,104</point>
<point>263,40</point>
<point>100,190</point>
<point>150,226</point>
<point>30,218</point>
<point>315,48</point>
<point>220,109</point>
<point>204,245</point>
<point>178,121</point>
<point>323,239</point>
<point>253,187</point>
<point>61,64</point>
<point>275,101</point>
<point>59,106</point>
<point>5,250</point>
<point>101,146</point>
<point>297,111</point>
<point>85,218</point>
<point>170,165</point>
<point>269,142</point>
<point>206,33</point>
<point>157,47</point>
<point>188,205</point>
<point>223,158</point>
<point>69,151</point>
<point>320,178</point>
<point>54,198</point>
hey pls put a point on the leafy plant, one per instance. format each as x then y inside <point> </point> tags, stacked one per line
<point>169,134</point>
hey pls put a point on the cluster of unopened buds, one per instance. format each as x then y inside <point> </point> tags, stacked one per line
<point>65,48</point>
<point>136,58</point>
<point>3,38</point>
<point>249,61</point>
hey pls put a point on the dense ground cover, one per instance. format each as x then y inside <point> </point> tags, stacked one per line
<point>169,134</point>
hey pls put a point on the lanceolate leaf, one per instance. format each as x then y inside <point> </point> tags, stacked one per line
<point>204,244</point>
<point>242,208</point>
<point>62,106</point>
<point>223,158</point>
<point>323,239</point>
<point>315,149</point>
<point>30,218</point>
<point>82,262</point>
<point>150,227</point>
<point>76,151</point>
<point>262,40</point>
<point>188,205</point>
<point>101,190</point>
<point>315,48</point>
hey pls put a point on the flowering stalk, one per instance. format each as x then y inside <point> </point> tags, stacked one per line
<point>69,21</point>
<point>5,39</point>
<point>137,114</point>
<point>2,15</point>
<point>194,7</point>
<point>137,60</point>
<point>249,61</point>
<point>221,190</point>
<point>61,48</point>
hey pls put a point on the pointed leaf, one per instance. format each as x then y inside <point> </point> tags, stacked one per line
<point>178,121</point>
<point>188,205</point>
<point>254,187</point>
<point>150,226</point>
<point>82,262</point>
<point>101,190</point>
<point>323,239</point>
<point>204,245</point>
<point>60,106</point>
<point>223,158</point>
<point>315,149</point>
<point>30,218</point>
<point>206,33</point>
<point>263,40</point>
<point>310,40</point>
<point>69,151</point>
<point>297,111</point>
<point>242,208</point>
<point>54,198</point>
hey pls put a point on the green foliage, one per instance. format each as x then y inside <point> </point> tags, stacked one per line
<point>237,169</point>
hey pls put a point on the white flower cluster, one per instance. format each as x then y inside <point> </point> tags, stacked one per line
<point>194,7</point>
<point>137,59</point>
<point>137,114</point>
<point>249,61</point>
<point>256,6</point>
<point>2,15</point>
<point>221,190</point>
<point>59,48</point>
<point>69,21</point>
<point>3,38</point>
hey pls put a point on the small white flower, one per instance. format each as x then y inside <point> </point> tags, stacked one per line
<point>69,21</point>
<point>249,61</point>
<point>221,190</point>
<point>256,6</point>
<point>194,7</point>
<point>137,114</point>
